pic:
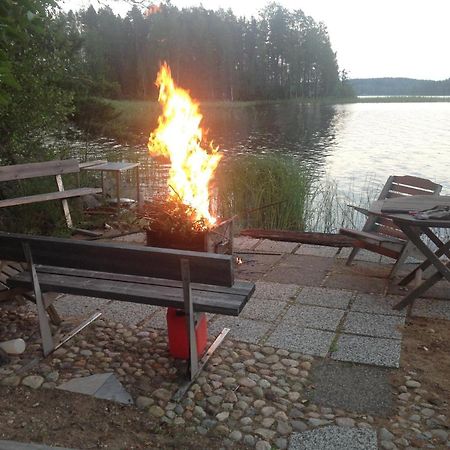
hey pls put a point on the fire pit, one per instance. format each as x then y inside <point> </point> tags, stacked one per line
<point>184,219</point>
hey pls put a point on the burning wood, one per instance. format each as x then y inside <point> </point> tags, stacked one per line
<point>179,138</point>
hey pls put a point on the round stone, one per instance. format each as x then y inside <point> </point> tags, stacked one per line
<point>143,402</point>
<point>156,411</point>
<point>235,435</point>
<point>345,422</point>
<point>386,435</point>
<point>413,384</point>
<point>12,380</point>
<point>222,416</point>
<point>33,381</point>
<point>247,382</point>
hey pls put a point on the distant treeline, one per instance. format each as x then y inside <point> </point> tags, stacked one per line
<point>399,86</point>
<point>280,54</point>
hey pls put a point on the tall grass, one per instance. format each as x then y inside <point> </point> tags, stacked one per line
<point>273,192</point>
<point>265,192</point>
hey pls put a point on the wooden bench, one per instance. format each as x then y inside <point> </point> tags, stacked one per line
<point>45,169</point>
<point>192,281</point>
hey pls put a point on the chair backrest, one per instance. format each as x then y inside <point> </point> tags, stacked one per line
<point>39,169</point>
<point>402,186</point>
<point>206,268</point>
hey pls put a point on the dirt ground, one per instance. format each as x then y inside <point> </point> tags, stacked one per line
<point>62,418</point>
<point>77,421</point>
<point>425,351</point>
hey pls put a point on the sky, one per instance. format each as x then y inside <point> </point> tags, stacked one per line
<point>382,38</point>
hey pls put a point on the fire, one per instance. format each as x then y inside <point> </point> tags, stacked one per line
<point>179,137</point>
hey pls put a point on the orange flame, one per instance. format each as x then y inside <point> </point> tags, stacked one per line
<point>179,137</point>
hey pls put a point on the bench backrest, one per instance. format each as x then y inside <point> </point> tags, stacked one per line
<point>206,268</point>
<point>39,169</point>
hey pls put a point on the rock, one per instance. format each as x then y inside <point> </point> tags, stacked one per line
<point>215,400</point>
<point>281,415</point>
<point>266,434</point>
<point>305,365</point>
<point>33,381</point>
<point>235,435</point>
<point>272,359</point>
<point>388,445</point>
<point>442,435</point>
<point>267,422</point>
<point>268,411</point>
<point>404,396</point>
<point>144,402</point>
<point>284,428</point>
<point>414,418</point>
<point>263,445</point>
<point>427,412</point>
<point>317,422</point>
<point>247,382</point>
<point>12,380</point>
<point>13,347</point>
<point>298,425</point>
<point>345,422</point>
<point>162,394</point>
<point>246,421</point>
<point>385,435</point>
<point>156,411</point>
<point>199,412</point>
<point>222,416</point>
<point>264,384</point>
<point>249,440</point>
<point>281,443</point>
<point>52,376</point>
<point>413,384</point>
<point>230,397</point>
<point>86,353</point>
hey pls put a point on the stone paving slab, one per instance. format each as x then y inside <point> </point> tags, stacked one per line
<point>302,340</point>
<point>368,350</point>
<point>104,386</point>
<point>334,438</point>
<point>377,304</point>
<point>263,309</point>
<point>244,243</point>
<point>361,283</point>
<point>351,387</point>
<point>267,245</point>
<point>127,313</point>
<point>276,291</point>
<point>244,330</point>
<point>434,309</point>
<point>376,325</point>
<point>307,316</point>
<point>14,445</point>
<point>79,306</point>
<point>301,269</point>
<point>330,298</point>
<point>362,255</point>
<point>255,266</point>
<point>316,250</point>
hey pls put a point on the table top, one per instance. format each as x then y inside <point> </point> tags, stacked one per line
<point>113,166</point>
<point>398,209</point>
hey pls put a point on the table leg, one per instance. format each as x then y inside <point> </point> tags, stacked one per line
<point>118,190</point>
<point>418,291</point>
<point>443,250</point>
<point>414,236</point>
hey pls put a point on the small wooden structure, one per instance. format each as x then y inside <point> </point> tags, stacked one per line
<point>381,234</point>
<point>46,169</point>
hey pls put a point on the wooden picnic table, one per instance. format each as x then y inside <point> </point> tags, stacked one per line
<point>402,211</point>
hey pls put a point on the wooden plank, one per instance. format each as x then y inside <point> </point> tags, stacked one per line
<point>40,169</point>
<point>215,303</point>
<point>374,237</point>
<point>91,163</point>
<point>207,268</point>
<point>65,204</point>
<point>328,239</point>
<point>408,190</point>
<point>238,288</point>
<point>421,183</point>
<point>49,196</point>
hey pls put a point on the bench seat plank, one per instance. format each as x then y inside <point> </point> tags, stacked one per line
<point>49,196</point>
<point>238,288</point>
<point>226,301</point>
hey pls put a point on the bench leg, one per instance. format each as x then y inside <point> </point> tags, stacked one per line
<point>195,366</point>
<point>44,325</point>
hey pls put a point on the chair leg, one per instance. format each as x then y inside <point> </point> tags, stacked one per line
<point>352,255</point>
<point>407,249</point>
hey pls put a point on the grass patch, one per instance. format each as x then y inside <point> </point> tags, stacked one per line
<point>265,192</point>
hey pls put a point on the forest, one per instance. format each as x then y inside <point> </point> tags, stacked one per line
<point>56,66</point>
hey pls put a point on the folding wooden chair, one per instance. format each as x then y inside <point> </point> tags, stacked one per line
<point>381,235</point>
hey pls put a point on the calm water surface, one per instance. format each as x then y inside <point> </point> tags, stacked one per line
<point>357,145</point>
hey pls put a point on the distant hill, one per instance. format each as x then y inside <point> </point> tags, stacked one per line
<point>399,86</point>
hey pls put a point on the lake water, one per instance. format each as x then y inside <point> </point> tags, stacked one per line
<point>356,145</point>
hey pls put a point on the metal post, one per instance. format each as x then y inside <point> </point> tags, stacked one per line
<point>189,312</point>
<point>47,340</point>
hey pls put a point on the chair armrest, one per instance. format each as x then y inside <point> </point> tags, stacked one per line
<point>364,211</point>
